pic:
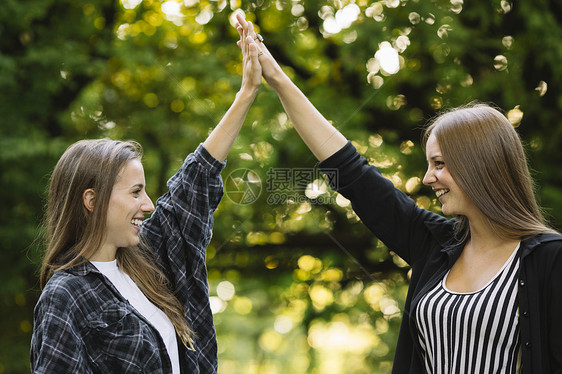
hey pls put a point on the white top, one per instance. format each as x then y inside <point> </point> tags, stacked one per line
<point>472,332</point>
<point>130,291</point>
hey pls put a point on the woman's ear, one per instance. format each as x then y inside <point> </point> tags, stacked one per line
<point>89,198</point>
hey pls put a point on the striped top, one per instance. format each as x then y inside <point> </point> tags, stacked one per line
<point>476,332</point>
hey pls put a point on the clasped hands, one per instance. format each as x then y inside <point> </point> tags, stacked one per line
<point>254,50</point>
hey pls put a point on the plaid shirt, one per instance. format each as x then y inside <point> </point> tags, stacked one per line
<point>82,324</point>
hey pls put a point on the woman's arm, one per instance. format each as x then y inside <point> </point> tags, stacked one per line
<point>320,136</point>
<point>220,141</point>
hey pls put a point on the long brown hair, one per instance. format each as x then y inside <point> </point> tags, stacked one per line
<point>74,233</point>
<point>486,158</point>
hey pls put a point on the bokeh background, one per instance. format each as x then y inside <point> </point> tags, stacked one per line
<point>298,285</point>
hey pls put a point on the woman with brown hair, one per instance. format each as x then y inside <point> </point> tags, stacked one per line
<point>122,294</point>
<point>484,294</point>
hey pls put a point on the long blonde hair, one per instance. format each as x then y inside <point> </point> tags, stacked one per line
<point>74,233</point>
<point>486,158</point>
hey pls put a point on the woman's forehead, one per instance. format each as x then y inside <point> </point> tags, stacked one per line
<point>132,173</point>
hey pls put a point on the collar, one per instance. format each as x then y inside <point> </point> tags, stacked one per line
<point>529,244</point>
<point>442,230</point>
<point>83,269</point>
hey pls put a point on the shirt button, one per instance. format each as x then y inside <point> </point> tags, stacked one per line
<point>521,283</point>
<point>528,345</point>
<point>525,314</point>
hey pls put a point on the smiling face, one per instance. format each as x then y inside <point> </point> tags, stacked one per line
<point>128,205</point>
<point>453,199</point>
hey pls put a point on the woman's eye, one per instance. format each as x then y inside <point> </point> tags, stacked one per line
<point>136,192</point>
<point>439,164</point>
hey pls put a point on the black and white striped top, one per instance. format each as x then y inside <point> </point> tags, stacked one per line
<point>476,332</point>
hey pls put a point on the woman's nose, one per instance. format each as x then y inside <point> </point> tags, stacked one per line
<point>429,178</point>
<point>148,206</point>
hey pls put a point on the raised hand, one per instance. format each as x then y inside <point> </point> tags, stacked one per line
<point>252,70</point>
<point>320,136</point>
<point>271,70</point>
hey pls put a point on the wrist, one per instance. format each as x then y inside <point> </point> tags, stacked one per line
<point>278,80</point>
<point>247,93</point>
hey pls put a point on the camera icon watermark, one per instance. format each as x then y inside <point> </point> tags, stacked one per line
<point>243,186</point>
<point>282,186</point>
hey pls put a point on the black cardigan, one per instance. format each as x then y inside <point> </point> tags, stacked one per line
<point>425,241</point>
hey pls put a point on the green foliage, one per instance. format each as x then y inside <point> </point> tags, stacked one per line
<point>314,292</point>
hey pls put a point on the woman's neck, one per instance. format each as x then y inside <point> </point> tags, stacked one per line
<point>483,238</point>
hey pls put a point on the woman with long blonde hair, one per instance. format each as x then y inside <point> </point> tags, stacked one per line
<point>122,294</point>
<point>484,294</point>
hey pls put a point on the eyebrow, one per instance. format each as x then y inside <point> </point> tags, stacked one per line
<point>138,185</point>
<point>432,158</point>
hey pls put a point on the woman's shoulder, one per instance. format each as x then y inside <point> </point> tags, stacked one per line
<point>66,287</point>
<point>546,246</point>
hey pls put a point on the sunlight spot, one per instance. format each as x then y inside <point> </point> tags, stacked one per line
<point>331,26</point>
<point>177,106</point>
<point>26,326</point>
<point>373,65</point>
<point>171,8</point>
<point>467,81</point>
<point>243,305</point>
<point>388,58</point>
<point>541,88</point>
<point>443,31</point>
<point>456,6</point>
<point>375,140</point>
<point>225,290</point>
<point>309,263</point>
<point>297,10</point>
<point>430,19</point>
<point>375,80</point>
<point>342,201</point>
<point>515,116</point>
<point>204,16</point>
<point>396,102</point>
<point>507,41</point>
<point>283,324</point>
<point>151,100</point>
<point>271,263</point>
<point>402,42</point>
<point>506,6</point>
<point>346,16</point>
<point>270,341</point>
<point>130,4</point>
<point>500,62</point>
<point>315,189</point>
<point>374,10</point>
<point>217,305</point>
<point>392,3</point>
<point>320,296</point>
<point>414,18</point>
<point>343,19</point>
<point>436,102</point>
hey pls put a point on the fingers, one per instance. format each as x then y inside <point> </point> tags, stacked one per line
<point>254,53</point>
<point>249,40</point>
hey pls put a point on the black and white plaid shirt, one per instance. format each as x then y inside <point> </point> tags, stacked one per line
<point>83,325</point>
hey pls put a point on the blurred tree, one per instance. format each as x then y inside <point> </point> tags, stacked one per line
<point>298,284</point>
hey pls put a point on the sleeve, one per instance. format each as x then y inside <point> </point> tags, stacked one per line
<point>56,346</point>
<point>555,313</point>
<point>180,228</point>
<point>388,212</point>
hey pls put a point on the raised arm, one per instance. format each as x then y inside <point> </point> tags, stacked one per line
<point>221,139</point>
<point>320,136</point>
